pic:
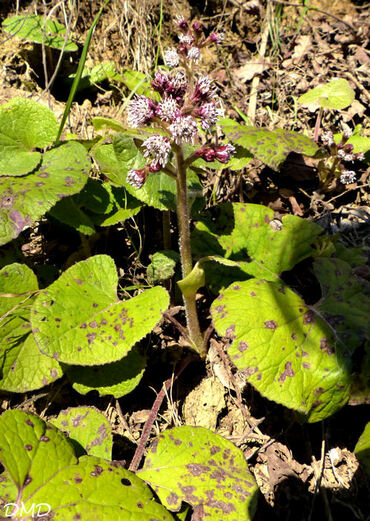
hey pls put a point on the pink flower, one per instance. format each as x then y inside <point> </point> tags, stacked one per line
<point>208,154</point>
<point>168,109</point>
<point>204,90</point>
<point>140,111</point>
<point>137,178</point>
<point>158,148</point>
<point>171,58</point>
<point>209,114</point>
<point>182,23</point>
<point>183,129</point>
<point>216,37</point>
<point>197,27</point>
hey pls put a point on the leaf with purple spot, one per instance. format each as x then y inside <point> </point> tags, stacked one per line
<point>195,466</point>
<point>23,200</point>
<point>88,429</point>
<point>40,464</point>
<point>23,367</point>
<point>283,347</point>
<point>79,319</point>
<point>272,147</point>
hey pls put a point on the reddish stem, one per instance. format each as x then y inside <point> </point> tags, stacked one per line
<point>153,414</point>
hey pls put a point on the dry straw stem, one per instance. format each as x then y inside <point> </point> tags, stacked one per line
<point>255,82</point>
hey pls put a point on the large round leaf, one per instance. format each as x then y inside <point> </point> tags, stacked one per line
<point>270,146</point>
<point>23,367</point>
<point>283,348</point>
<point>159,189</point>
<point>80,320</point>
<point>39,460</point>
<point>23,200</point>
<point>194,465</point>
<point>248,235</point>
<point>24,126</point>
<point>336,94</point>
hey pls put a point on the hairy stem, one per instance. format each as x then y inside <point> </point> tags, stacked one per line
<point>185,254</point>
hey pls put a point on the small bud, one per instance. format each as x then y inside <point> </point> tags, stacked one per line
<point>216,37</point>
<point>137,178</point>
<point>197,27</point>
<point>346,135</point>
<point>348,147</point>
<point>224,153</point>
<point>208,154</point>
<point>182,23</point>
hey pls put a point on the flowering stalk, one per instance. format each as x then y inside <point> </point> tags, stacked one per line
<point>187,99</point>
<point>338,154</point>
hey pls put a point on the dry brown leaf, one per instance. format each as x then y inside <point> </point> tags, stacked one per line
<point>250,69</point>
<point>303,47</point>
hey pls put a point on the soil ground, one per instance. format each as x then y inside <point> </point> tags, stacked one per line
<point>302,50</point>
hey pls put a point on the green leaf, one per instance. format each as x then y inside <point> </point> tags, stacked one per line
<point>248,235</point>
<point>38,29</point>
<point>116,379</point>
<point>25,199</point>
<point>137,81</point>
<point>159,189</point>
<point>26,443</point>
<point>95,75</point>
<point>362,449</point>
<point>194,465</point>
<point>162,266</point>
<point>68,212</point>
<point>102,123</point>
<point>345,302</point>
<point>360,143</point>
<point>79,320</point>
<point>40,460</point>
<point>336,94</point>
<point>24,126</point>
<point>286,351</point>
<point>88,430</point>
<point>23,367</point>
<point>270,146</point>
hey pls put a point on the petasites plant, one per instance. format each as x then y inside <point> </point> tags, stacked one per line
<point>89,486</point>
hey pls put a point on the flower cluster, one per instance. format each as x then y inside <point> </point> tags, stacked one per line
<point>185,100</point>
<point>342,152</point>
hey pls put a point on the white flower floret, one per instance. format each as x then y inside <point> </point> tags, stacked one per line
<point>209,115</point>
<point>171,58</point>
<point>347,177</point>
<point>186,39</point>
<point>184,129</point>
<point>158,148</point>
<point>140,111</point>
<point>194,54</point>
<point>327,138</point>
<point>168,109</point>
<point>136,178</point>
